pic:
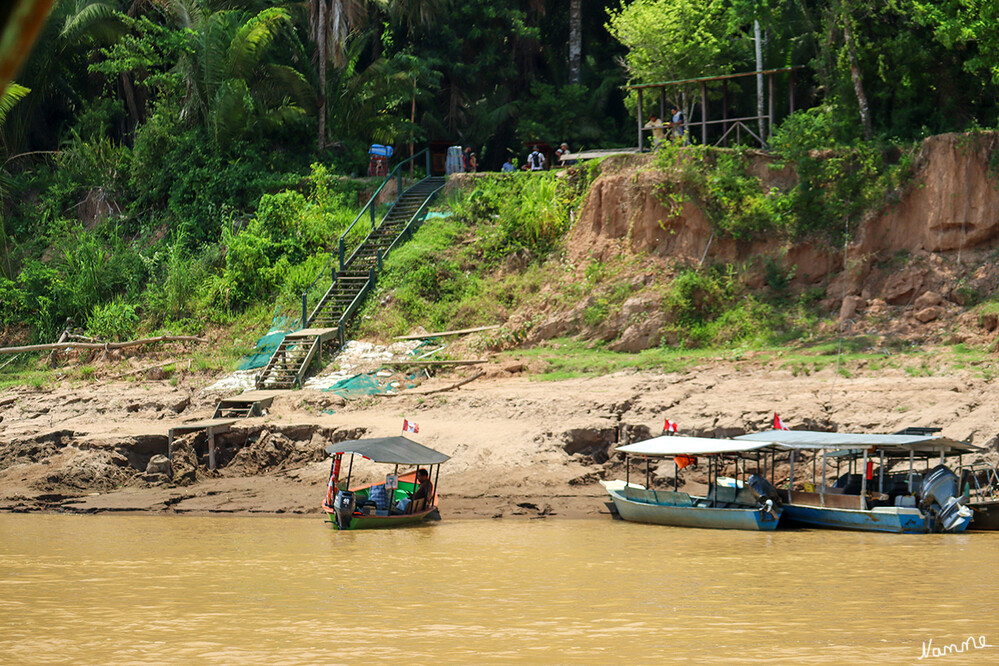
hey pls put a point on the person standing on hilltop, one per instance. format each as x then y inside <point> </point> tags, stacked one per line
<point>676,124</point>
<point>656,125</point>
<point>470,162</point>
<point>536,160</point>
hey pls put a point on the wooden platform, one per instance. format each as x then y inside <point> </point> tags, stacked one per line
<point>211,427</point>
<point>323,333</point>
<point>245,405</point>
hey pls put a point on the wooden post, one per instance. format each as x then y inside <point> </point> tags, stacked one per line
<point>770,107</point>
<point>640,120</point>
<point>790,90</point>
<point>725,111</point>
<point>170,450</point>
<point>704,114</point>
<point>211,447</point>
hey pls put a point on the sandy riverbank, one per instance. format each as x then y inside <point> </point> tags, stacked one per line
<point>519,447</point>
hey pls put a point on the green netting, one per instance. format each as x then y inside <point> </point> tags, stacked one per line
<point>367,384</point>
<point>358,385</point>
<point>280,327</point>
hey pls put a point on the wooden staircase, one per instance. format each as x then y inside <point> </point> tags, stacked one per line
<point>327,322</point>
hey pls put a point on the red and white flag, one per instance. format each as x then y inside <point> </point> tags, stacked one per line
<point>670,427</point>
<point>778,424</point>
<point>409,426</point>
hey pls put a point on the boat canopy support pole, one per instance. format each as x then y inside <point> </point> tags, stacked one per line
<point>437,475</point>
<point>822,487</point>
<point>627,472</point>
<point>912,459</point>
<point>648,486</point>
<point>863,484</point>
<point>881,473</point>
<point>815,458</point>
<point>350,468</point>
<point>790,477</point>
<point>676,476</point>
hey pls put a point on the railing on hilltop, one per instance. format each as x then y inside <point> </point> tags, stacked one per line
<point>355,242</point>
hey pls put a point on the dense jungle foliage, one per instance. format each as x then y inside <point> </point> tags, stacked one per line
<point>172,164</point>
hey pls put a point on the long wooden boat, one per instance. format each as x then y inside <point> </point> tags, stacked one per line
<point>729,503</point>
<point>980,484</point>
<point>906,503</point>
<point>379,505</point>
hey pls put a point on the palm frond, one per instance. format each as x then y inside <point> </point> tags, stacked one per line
<point>11,96</point>
<point>95,18</point>
<point>253,39</point>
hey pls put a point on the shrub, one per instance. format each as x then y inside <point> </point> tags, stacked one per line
<point>115,321</point>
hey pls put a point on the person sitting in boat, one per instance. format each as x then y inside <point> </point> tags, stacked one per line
<point>425,492</point>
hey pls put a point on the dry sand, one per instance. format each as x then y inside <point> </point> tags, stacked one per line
<point>519,447</point>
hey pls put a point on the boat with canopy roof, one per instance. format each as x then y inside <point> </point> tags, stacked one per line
<point>401,499</point>
<point>867,500</point>
<point>730,503</point>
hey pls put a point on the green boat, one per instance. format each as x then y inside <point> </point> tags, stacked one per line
<point>401,499</point>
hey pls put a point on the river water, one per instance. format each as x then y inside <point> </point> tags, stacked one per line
<point>252,590</point>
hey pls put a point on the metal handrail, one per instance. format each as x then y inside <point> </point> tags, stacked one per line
<point>356,303</point>
<point>370,208</point>
<point>420,213</point>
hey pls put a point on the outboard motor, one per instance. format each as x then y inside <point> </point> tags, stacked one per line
<point>766,494</point>
<point>941,499</point>
<point>343,508</point>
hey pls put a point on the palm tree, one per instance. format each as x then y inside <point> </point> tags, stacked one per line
<point>233,84</point>
<point>330,22</point>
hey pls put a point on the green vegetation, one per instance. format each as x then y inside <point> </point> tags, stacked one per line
<point>187,164</point>
<point>450,275</point>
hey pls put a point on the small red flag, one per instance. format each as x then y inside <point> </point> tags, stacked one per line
<point>409,426</point>
<point>670,427</point>
<point>778,424</point>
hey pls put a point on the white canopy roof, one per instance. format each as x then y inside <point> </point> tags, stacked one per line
<point>810,439</point>
<point>675,446</point>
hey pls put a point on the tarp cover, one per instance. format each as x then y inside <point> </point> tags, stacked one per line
<point>675,446</point>
<point>398,450</point>
<point>810,439</point>
<point>258,358</point>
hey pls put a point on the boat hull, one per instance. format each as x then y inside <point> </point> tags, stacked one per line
<point>986,515</point>
<point>694,516</point>
<point>897,520</point>
<point>374,522</point>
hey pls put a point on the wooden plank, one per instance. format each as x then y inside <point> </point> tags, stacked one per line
<point>440,390</point>
<point>191,426</point>
<point>444,333</point>
<point>426,363</point>
<point>311,332</point>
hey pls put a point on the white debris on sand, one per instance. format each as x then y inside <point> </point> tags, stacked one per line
<point>241,379</point>
<point>357,357</point>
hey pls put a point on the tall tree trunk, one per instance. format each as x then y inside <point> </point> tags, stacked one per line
<point>858,83</point>
<point>321,64</point>
<point>575,40</point>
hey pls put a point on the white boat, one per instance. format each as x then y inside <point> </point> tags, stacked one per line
<point>907,503</point>
<point>730,503</point>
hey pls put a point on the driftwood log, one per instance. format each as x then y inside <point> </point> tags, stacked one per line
<point>444,333</point>
<point>100,345</point>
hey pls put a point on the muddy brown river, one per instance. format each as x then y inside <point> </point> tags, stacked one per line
<point>263,590</point>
